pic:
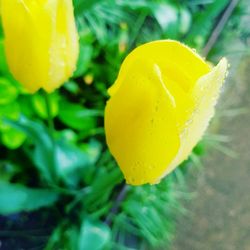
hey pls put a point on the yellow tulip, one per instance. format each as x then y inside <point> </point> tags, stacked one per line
<point>160,106</point>
<point>41,41</point>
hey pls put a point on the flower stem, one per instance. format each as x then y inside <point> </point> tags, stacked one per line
<point>51,127</point>
<point>219,27</point>
<point>119,199</point>
<point>49,114</point>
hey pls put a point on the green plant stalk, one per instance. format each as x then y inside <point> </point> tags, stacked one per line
<point>51,129</point>
<point>49,114</point>
<point>119,199</point>
<point>219,27</point>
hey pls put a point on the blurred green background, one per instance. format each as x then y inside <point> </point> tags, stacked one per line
<point>80,200</point>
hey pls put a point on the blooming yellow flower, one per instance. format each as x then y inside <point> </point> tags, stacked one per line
<point>41,41</point>
<point>160,106</point>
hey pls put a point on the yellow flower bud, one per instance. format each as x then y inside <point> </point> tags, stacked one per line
<point>160,106</point>
<point>41,41</point>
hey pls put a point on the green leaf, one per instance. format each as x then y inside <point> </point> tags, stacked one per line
<point>85,56</point>
<point>71,86</point>
<point>58,157</point>
<point>1,29</point>
<point>81,6</point>
<point>203,23</point>
<point>185,20</point>
<point>69,135</point>
<point>137,5</point>
<point>93,149</point>
<point>43,150</point>
<point>15,198</point>
<point>3,63</point>
<point>70,162</point>
<point>39,105</point>
<point>64,237</point>
<point>166,15</point>
<point>8,92</point>
<point>94,235</point>
<point>13,138</point>
<point>78,117</point>
<point>8,170</point>
<point>102,186</point>
<point>200,149</point>
<point>11,111</point>
<point>26,105</point>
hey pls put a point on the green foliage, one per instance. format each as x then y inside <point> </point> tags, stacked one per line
<point>203,25</point>
<point>13,138</point>
<point>39,105</point>
<point>72,171</point>
<point>55,159</point>
<point>78,117</point>
<point>18,198</point>
<point>93,235</point>
<point>148,213</point>
<point>8,93</point>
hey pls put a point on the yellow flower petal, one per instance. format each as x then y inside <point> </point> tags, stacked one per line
<point>141,136</point>
<point>172,57</point>
<point>159,108</point>
<point>41,41</point>
<point>205,95</point>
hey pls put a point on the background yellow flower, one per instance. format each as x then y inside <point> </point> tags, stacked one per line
<point>41,42</point>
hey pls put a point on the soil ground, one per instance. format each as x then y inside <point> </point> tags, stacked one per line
<point>219,217</point>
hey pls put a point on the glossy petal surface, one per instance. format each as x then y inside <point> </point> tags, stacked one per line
<point>160,106</point>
